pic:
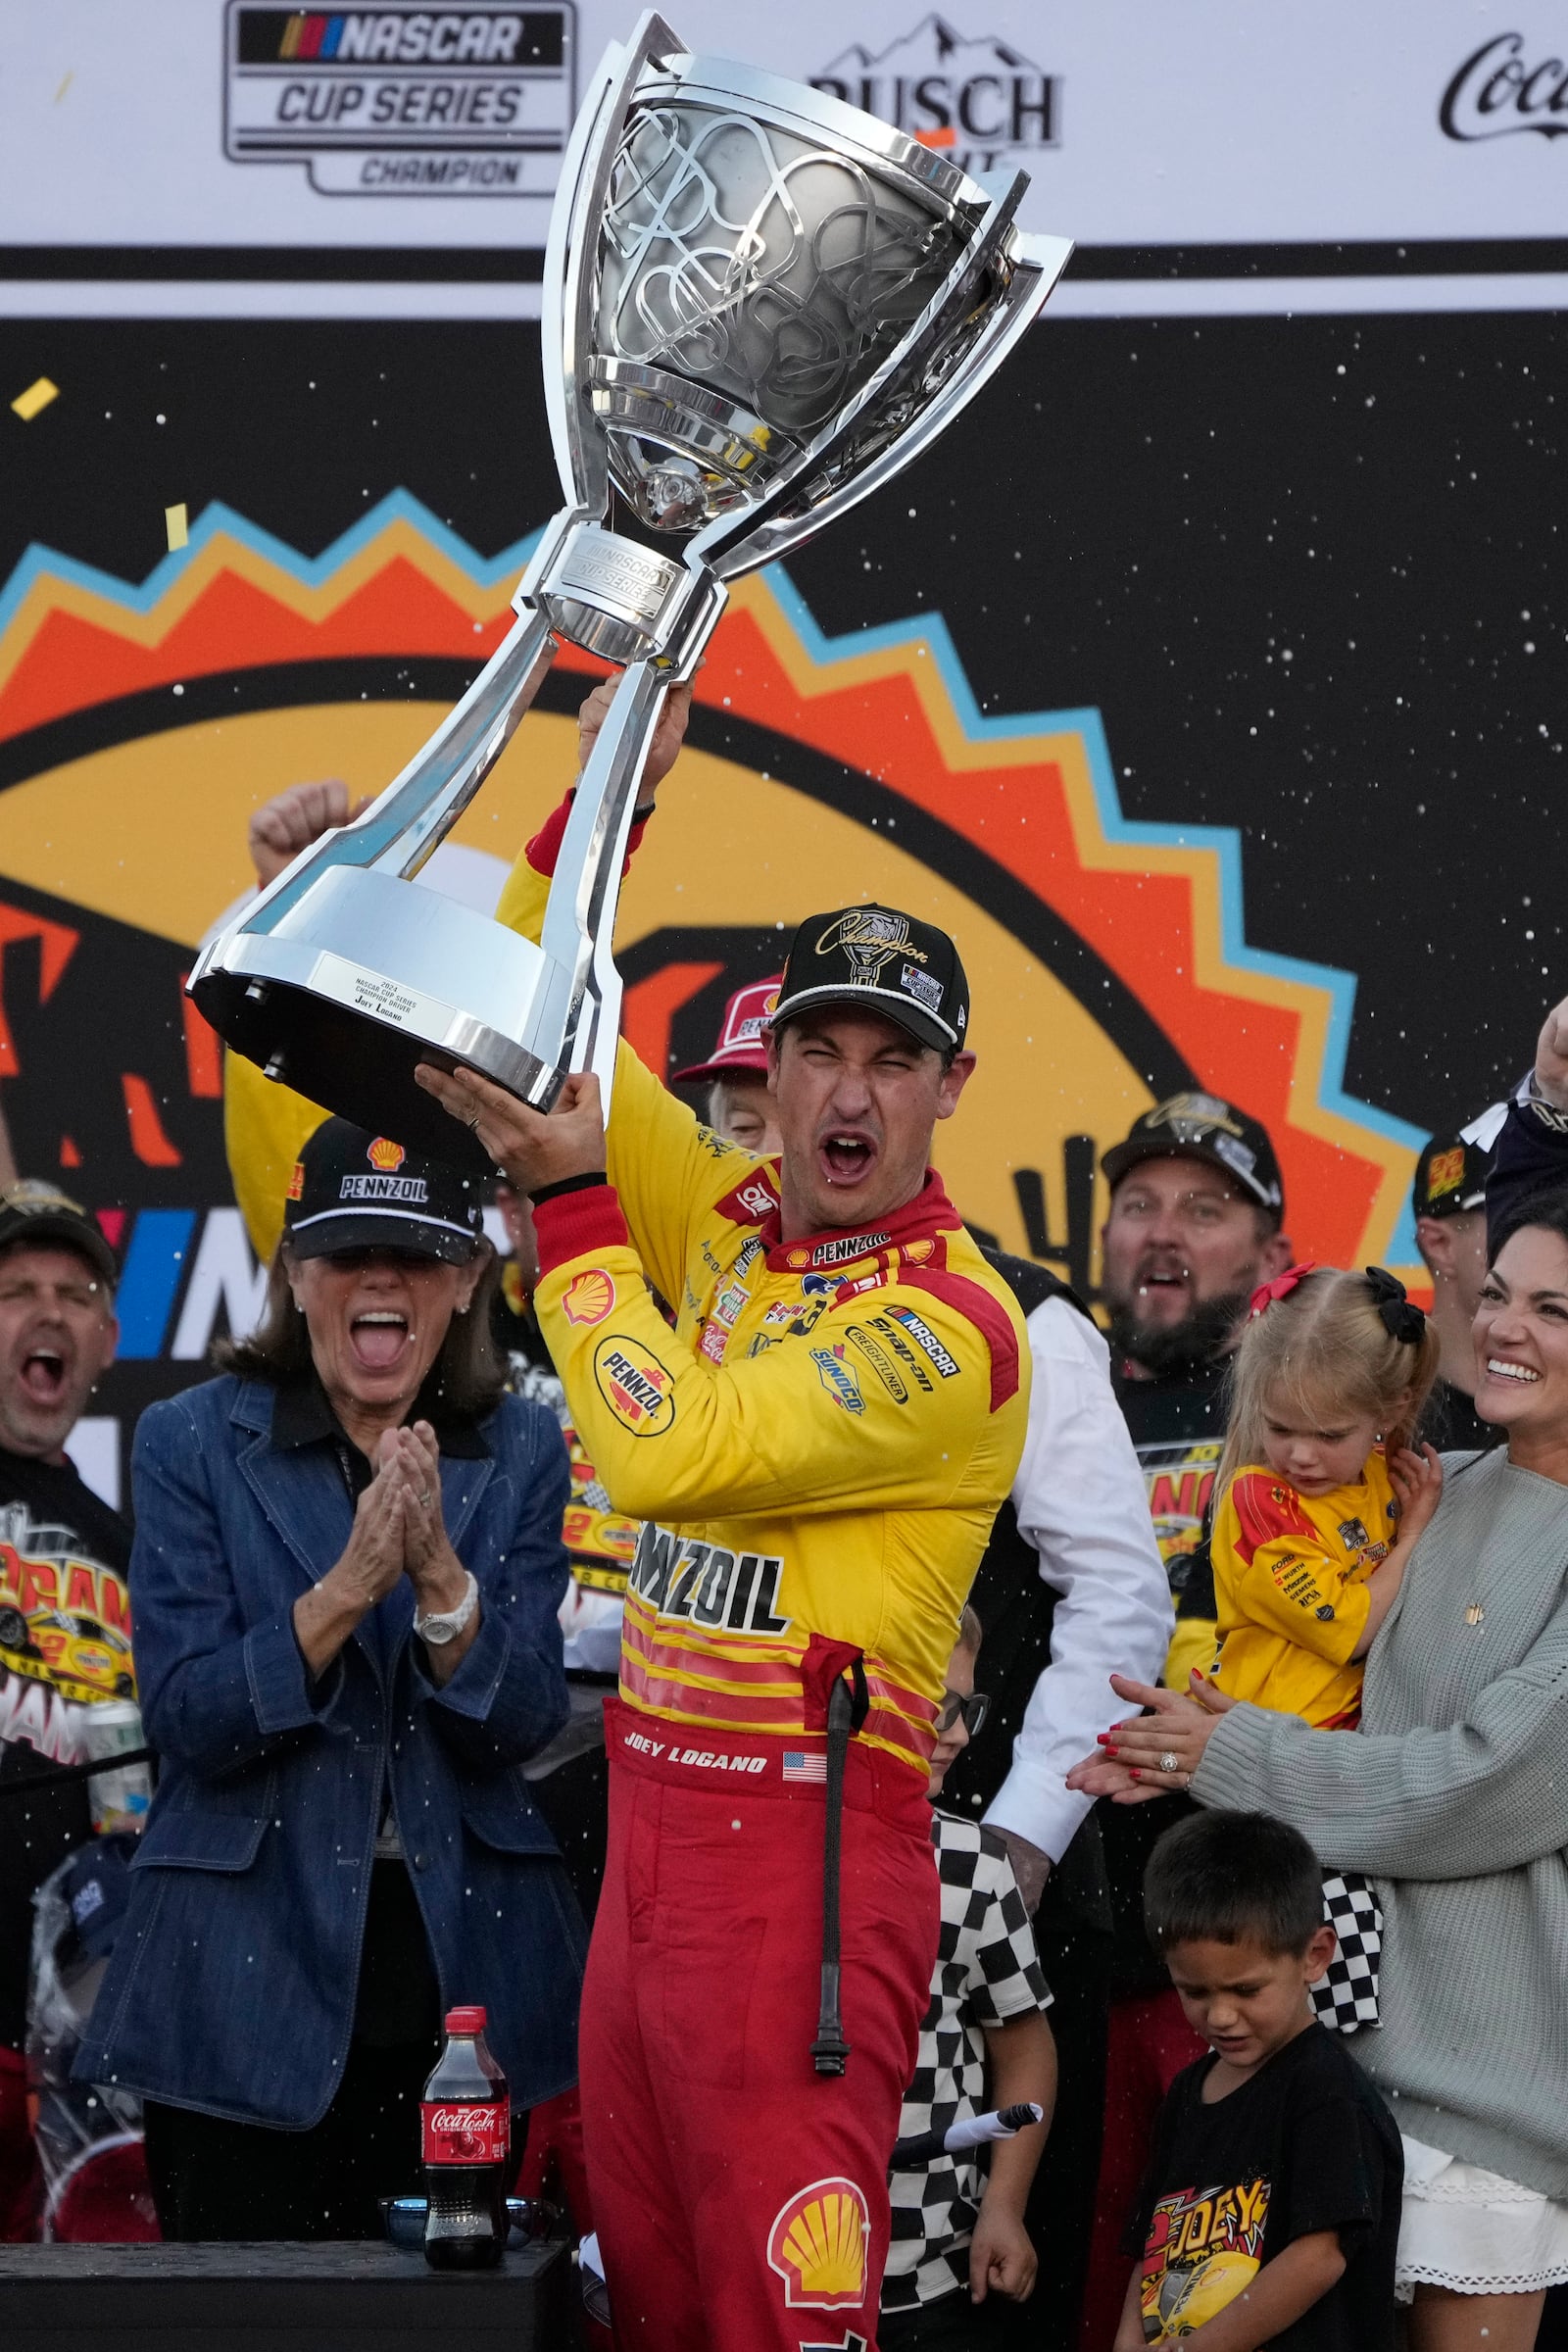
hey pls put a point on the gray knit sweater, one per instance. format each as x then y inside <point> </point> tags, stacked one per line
<point>1453,1796</point>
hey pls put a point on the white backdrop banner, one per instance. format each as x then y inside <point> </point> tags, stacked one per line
<point>1143,122</point>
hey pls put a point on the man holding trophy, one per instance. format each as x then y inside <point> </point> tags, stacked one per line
<point>764,304</point>
<point>819,1450</point>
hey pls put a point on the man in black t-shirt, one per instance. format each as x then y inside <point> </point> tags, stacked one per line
<point>1450,1200</point>
<point>65,1613</point>
<point>1273,2186</point>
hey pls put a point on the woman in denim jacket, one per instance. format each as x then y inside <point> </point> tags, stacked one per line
<point>344,1586</point>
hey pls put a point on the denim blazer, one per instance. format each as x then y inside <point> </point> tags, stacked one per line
<point>231,1986</point>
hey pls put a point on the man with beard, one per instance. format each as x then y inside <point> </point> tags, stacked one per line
<point>1194,1225</point>
<point>1196,1205</point>
<point>64,1616</point>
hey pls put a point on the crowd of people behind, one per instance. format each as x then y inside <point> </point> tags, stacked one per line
<point>1249,1740</point>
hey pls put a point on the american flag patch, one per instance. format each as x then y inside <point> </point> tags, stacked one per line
<point>799,1766</point>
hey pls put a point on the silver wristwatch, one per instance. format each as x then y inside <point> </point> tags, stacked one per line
<point>444,1625</point>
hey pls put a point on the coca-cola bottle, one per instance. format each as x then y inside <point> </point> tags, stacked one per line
<point>467,2124</point>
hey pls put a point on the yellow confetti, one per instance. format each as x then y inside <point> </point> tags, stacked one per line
<point>177,524</point>
<point>65,85</point>
<point>38,396</point>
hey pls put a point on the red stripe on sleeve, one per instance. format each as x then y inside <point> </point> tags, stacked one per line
<point>545,847</point>
<point>988,1316</point>
<point>574,1224</point>
<point>1266,1508</point>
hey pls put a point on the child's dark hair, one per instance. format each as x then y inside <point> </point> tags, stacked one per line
<point>1225,1877</point>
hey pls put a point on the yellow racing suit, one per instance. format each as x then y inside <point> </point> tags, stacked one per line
<point>818,1448</point>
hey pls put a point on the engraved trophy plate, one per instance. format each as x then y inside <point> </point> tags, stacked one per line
<point>760,304</point>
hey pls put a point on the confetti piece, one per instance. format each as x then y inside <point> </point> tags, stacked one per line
<point>38,396</point>
<point>176,526</point>
<point>65,85</point>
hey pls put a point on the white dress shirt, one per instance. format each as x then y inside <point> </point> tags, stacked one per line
<point>1082,1504</point>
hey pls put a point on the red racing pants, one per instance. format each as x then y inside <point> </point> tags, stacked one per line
<point>740,2198</point>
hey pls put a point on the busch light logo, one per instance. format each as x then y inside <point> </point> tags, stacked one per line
<point>974,102</point>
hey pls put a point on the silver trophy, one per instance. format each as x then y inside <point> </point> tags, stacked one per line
<point>759,304</point>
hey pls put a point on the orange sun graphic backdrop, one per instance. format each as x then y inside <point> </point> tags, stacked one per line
<point>1108,962</point>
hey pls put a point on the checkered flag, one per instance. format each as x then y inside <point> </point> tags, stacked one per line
<point>1347,1997</point>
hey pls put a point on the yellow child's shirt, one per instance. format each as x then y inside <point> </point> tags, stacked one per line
<point>1289,1576</point>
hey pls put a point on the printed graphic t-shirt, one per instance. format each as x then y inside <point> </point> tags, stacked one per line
<point>1306,2144</point>
<point>65,1647</point>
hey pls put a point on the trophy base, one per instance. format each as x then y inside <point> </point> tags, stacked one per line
<point>336,1025</point>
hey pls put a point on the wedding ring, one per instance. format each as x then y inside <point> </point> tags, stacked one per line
<point>424,1501</point>
<point>1170,1761</point>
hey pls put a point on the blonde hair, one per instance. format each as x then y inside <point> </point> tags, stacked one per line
<point>1323,1350</point>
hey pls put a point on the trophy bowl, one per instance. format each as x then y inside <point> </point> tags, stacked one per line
<point>760,304</point>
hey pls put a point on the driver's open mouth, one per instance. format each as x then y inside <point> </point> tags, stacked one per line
<point>378,1336</point>
<point>43,1375</point>
<point>847,1157</point>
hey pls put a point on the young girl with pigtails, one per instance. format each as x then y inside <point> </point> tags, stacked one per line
<point>1322,1492</point>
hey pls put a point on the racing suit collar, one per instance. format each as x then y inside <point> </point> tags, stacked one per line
<point>928,1214</point>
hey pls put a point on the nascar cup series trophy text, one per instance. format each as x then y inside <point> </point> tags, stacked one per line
<point>759,304</point>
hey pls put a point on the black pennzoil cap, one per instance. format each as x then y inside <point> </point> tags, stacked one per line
<point>1450,1177</point>
<point>877,960</point>
<point>352,1189</point>
<point>1197,1126</point>
<point>39,1214</point>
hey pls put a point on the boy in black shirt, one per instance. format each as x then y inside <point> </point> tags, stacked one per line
<point>1270,2208</point>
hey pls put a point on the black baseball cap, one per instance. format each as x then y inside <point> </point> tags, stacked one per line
<point>1451,1176</point>
<point>1197,1126</point>
<point>36,1214</point>
<point>352,1189</point>
<point>878,961</point>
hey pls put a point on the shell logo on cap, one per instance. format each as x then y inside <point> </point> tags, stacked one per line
<point>1446,1173</point>
<point>296,1183</point>
<point>588,1297</point>
<point>385,1155</point>
<point>817,2247</point>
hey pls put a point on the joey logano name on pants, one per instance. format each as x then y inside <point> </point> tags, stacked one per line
<point>702,1759</point>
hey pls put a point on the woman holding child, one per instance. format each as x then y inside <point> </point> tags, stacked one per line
<point>1452,1793</point>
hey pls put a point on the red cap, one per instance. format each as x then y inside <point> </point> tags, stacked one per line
<point>465,2021</point>
<point>741,1036</point>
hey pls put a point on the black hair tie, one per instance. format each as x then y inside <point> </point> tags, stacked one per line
<point>1402,1320</point>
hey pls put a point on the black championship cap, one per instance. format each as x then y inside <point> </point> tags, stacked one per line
<point>40,1215</point>
<point>878,961</point>
<point>1203,1127</point>
<point>1451,1176</point>
<point>351,1189</point>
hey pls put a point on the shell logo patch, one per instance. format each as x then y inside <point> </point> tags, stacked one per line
<point>1444,1172</point>
<point>799,1257</point>
<point>588,1297</point>
<point>296,1183</point>
<point>638,1389</point>
<point>817,2247</point>
<point>385,1155</point>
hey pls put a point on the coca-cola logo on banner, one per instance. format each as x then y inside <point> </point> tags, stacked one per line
<point>1503,87</point>
<point>975,102</point>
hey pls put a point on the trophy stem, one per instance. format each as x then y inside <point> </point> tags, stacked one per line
<point>580,916</point>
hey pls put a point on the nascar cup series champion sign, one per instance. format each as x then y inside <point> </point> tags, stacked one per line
<point>764,304</point>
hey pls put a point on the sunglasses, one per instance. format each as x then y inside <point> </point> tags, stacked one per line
<point>974,1709</point>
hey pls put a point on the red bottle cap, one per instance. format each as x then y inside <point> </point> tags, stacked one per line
<point>465,2021</point>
